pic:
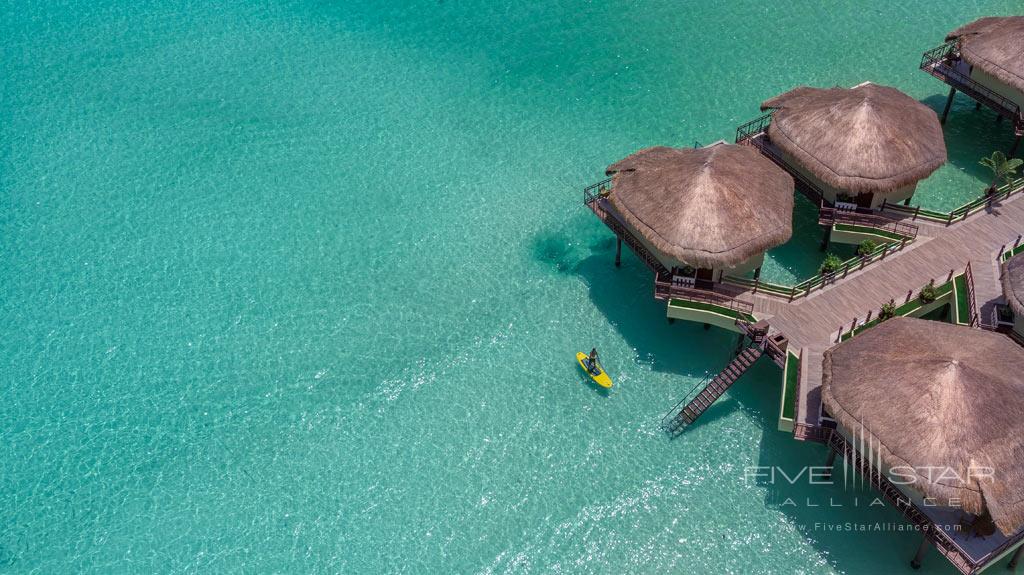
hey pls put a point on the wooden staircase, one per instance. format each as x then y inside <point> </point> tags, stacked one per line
<point>675,421</point>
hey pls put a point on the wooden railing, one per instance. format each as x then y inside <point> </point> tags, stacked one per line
<point>903,503</point>
<point>594,198</point>
<point>978,204</point>
<point>820,280</point>
<point>665,289</point>
<point>806,432</point>
<point>753,128</point>
<point>971,302</point>
<point>832,216</point>
<point>754,133</point>
<point>941,62</point>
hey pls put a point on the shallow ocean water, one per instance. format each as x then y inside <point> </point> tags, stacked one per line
<point>297,288</point>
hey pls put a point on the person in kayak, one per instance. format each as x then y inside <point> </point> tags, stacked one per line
<point>592,362</point>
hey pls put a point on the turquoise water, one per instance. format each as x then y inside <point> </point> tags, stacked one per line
<point>296,288</point>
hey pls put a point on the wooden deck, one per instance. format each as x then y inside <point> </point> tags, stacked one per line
<point>813,323</point>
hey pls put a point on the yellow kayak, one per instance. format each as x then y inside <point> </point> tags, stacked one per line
<point>601,378</point>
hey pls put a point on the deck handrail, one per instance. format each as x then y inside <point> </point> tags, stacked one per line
<point>754,127</point>
<point>938,537</point>
<point>958,214</point>
<point>665,289</point>
<point>755,133</point>
<point>593,199</point>
<point>832,216</point>
<point>674,412</point>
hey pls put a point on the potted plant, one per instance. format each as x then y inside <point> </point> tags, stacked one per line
<point>831,264</point>
<point>866,248</point>
<point>1003,168</point>
<point>929,293</point>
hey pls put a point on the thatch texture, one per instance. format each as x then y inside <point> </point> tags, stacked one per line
<point>1013,283</point>
<point>925,394</point>
<point>711,207</point>
<point>994,45</point>
<point>869,138</point>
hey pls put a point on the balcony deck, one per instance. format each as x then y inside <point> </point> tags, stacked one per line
<point>944,62</point>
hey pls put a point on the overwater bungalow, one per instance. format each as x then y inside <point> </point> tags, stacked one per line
<point>985,61</point>
<point>929,414</point>
<point>850,148</point>
<point>693,215</point>
<point>1013,290</point>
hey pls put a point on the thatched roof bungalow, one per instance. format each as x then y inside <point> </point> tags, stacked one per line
<point>859,145</point>
<point>984,60</point>
<point>993,47</point>
<point>703,211</point>
<point>917,396</point>
<point>1013,289</point>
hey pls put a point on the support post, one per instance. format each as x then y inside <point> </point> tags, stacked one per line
<point>829,462</point>
<point>906,202</point>
<point>1016,558</point>
<point>618,251</point>
<point>949,104</point>
<point>1013,150</point>
<point>826,238</point>
<point>916,561</point>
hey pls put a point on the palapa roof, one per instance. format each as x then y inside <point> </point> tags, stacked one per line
<point>711,207</point>
<point>869,138</point>
<point>995,45</point>
<point>1013,283</point>
<point>925,394</point>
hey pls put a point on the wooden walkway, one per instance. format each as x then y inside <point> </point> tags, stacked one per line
<point>812,323</point>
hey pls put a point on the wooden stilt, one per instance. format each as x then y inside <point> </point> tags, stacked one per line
<point>618,251</point>
<point>830,461</point>
<point>906,202</point>
<point>916,561</point>
<point>1013,150</point>
<point>977,105</point>
<point>949,104</point>
<point>1016,557</point>
<point>825,239</point>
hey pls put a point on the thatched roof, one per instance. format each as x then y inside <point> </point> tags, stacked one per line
<point>1013,283</point>
<point>869,138</point>
<point>711,207</point>
<point>932,394</point>
<point>994,45</point>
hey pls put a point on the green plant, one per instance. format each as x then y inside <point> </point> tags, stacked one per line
<point>888,310</point>
<point>866,248</point>
<point>831,264</point>
<point>1003,168</point>
<point>929,293</point>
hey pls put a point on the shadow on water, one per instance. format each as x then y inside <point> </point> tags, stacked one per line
<point>971,134</point>
<point>625,297</point>
<point>827,516</point>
